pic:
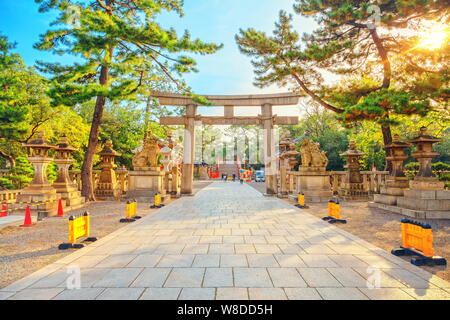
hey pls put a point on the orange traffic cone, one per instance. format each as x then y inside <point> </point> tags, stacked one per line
<point>4,211</point>
<point>27,222</point>
<point>60,209</point>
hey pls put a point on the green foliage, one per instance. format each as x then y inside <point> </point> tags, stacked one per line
<point>380,75</point>
<point>124,126</point>
<point>5,183</point>
<point>412,166</point>
<point>122,38</point>
<point>21,175</point>
<point>23,103</point>
<point>52,172</point>
<point>440,166</point>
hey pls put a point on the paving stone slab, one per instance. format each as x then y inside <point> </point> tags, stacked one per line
<point>229,294</point>
<point>252,278</point>
<point>267,294</point>
<point>36,294</point>
<point>118,278</point>
<point>302,294</point>
<point>85,294</point>
<point>151,278</point>
<point>286,278</point>
<point>341,294</point>
<point>121,294</point>
<point>185,278</point>
<point>188,294</point>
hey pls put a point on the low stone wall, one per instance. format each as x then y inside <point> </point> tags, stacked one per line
<point>9,196</point>
<point>122,178</point>
<point>372,180</point>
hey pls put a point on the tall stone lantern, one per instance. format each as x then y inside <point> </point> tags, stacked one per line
<point>40,189</point>
<point>426,197</point>
<point>107,187</point>
<point>353,186</point>
<point>425,154</point>
<point>397,182</point>
<point>63,184</point>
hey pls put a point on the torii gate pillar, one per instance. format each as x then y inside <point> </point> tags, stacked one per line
<point>269,149</point>
<point>189,151</point>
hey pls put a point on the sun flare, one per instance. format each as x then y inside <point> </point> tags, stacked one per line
<point>434,39</point>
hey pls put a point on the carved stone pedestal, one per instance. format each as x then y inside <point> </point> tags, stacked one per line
<point>313,180</point>
<point>315,185</point>
<point>144,183</point>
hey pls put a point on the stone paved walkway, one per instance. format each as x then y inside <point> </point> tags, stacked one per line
<point>230,242</point>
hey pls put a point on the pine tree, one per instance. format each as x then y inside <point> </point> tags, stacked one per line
<point>21,97</point>
<point>116,40</point>
<point>20,175</point>
<point>384,71</point>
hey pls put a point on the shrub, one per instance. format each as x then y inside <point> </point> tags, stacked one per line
<point>6,184</point>
<point>22,174</point>
<point>52,172</point>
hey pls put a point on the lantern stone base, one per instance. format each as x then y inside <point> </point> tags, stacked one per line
<point>70,195</point>
<point>416,214</point>
<point>107,192</point>
<point>315,185</point>
<point>421,204</point>
<point>41,193</point>
<point>392,191</point>
<point>144,184</point>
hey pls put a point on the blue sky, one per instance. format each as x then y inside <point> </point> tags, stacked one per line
<point>227,72</point>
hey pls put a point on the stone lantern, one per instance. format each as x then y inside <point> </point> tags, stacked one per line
<point>166,152</point>
<point>63,184</point>
<point>107,187</point>
<point>426,197</point>
<point>353,186</point>
<point>397,182</point>
<point>40,189</point>
<point>425,154</point>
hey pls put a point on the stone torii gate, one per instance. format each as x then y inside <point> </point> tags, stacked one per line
<point>267,120</point>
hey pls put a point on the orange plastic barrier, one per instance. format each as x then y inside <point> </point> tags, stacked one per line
<point>301,203</point>
<point>417,239</point>
<point>334,212</point>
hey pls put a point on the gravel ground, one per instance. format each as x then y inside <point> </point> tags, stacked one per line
<point>382,228</point>
<point>26,250</point>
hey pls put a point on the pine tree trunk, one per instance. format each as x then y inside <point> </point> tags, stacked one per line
<point>148,110</point>
<point>9,158</point>
<point>87,182</point>
<point>387,138</point>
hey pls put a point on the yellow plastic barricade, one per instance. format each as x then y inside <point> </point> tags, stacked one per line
<point>130,212</point>
<point>334,212</point>
<point>301,203</point>
<point>417,240</point>
<point>78,227</point>
<point>157,202</point>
